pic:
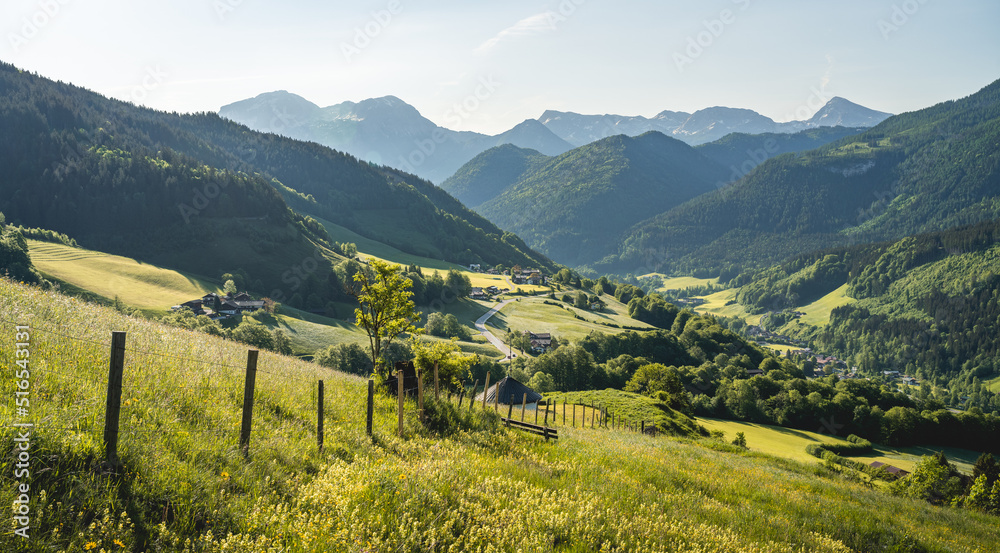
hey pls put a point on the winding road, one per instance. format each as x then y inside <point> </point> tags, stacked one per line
<point>481,326</point>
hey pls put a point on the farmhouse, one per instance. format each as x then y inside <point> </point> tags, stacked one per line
<point>540,343</point>
<point>220,307</point>
<point>478,294</point>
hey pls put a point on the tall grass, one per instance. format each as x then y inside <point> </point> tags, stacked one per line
<point>184,485</point>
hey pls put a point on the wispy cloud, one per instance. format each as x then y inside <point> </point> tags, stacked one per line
<point>534,25</point>
<point>828,75</point>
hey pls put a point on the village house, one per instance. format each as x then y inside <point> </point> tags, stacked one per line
<point>221,307</point>
<point>478,294</point>
<point>540,343</point>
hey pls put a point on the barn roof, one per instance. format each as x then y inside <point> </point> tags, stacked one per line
<point>510,387</point>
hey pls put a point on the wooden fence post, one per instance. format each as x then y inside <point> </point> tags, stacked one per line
<point>537,405</point>
<point>496,397</point>
<point>248,387</point>
<point>524,403</point>
<point>510,409</point>
<point>371,404</point>
<point>642,429</point>
<point>420,395</point>
<point>319,417</point>
<point>112,412</point>
<point>486,386</point>
<point>574,415</point>
<point>593,414</point>
<point>437,389</point>
<point>461,395</point>
<point>564,412</point>
<point>399,397</point>
<point>472,395</point>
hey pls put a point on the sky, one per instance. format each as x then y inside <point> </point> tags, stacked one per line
<point>487,66</point>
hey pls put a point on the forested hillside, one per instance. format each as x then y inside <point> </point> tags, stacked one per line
<point>574,206</point>
<point>487,175</point>
<point>207,195</point>
<point>917,172</point>
<point>927,305</point>
<point>741,152</point>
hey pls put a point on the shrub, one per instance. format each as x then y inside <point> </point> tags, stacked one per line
<point>445,418</point>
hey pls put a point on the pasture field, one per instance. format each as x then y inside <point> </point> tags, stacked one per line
<point>680,283</point>
<point>772,440</point>
<point>993,385</point>
<point>372,248</point>
<point>534,315</point>
<point>147,287</point>
<point>184,484</point>
<point>790,444</point>
<point>716,304</point>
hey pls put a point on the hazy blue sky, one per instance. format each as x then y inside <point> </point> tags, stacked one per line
<point>590,56</point>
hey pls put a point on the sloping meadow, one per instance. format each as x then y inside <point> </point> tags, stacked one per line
<point>184,484</point>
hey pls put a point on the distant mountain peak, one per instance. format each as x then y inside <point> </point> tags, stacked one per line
<point>845,113</point>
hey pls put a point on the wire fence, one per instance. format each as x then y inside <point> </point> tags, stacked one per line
<point>173,407</point>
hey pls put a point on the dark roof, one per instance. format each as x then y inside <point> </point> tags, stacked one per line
<point>889,468</point>
<point>510,387</point>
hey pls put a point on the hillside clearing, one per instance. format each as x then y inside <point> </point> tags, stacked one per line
<point>142,285</point>
<point>534,315</point>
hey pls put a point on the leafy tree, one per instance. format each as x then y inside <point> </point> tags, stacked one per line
<point>453,366</point>
<point>934,480</point>
<point>982,498</point>
<point>986,465</point>
<point>740,440</point>
<point>459,285</point>
<point>282,343</point>
<point>446,326</point>
<point>349,358</point>
<point>386,310</point>
<point>253,333</point>
<point>581,301</point>
<point>229,287</point>
<point>542,383</point>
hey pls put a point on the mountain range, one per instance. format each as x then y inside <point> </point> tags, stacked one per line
<point>704,125</point>
<point>575,206</point>
<point>385,131</point>
<point>390,132</point>
<point>922,171</point>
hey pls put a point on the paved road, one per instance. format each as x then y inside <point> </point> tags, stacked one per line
<point>481,325</point>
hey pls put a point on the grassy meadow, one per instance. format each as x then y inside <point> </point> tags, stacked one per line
<point>534,315</point>
<point>141,285</point>
<point>789,443</point>
<point>185,486</point>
